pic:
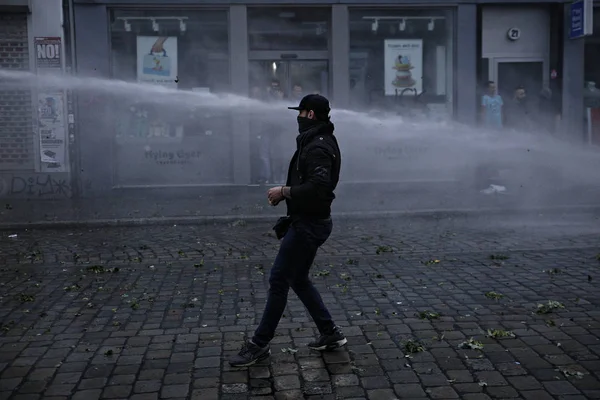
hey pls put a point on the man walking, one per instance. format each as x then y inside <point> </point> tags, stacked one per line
<point>312,177</point>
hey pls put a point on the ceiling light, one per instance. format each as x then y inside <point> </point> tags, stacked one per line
<point>402,25</point>
<point>154,25</point>
<point>431,24</point>
<point>375,25</point>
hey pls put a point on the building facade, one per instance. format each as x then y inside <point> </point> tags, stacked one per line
<point>362,55</point>
<point>34,156</point>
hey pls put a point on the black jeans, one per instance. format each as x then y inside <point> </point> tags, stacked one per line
<point>291,270</point>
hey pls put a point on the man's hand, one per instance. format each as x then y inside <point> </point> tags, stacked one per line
<point>275,195</point>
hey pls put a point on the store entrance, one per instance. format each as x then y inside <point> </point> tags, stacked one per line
<point>511,73</point>
<point>294,78</point>
<point>281,77</point>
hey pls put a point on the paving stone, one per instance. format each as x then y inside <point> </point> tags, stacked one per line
<point>289,395</point>
<point>442,392</point>
<point>164,350</point>
<point>381,394</point>
<point>147,386</point>
<point>317,388</point>
<point>345,380</point>
<point>175,391</point>
<point>560,388</point>
<point>409,390</point>
<point>205,394</point>
<point>315,375</point>
<point>525,383</point>
<point>492,378</point>
<point>502,392</point>
<point>346,392</point>
<point>87,394</point>
<point>145,396</point>
<point>536,395</point>
<point>286,382</point>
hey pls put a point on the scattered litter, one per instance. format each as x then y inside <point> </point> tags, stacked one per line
<point>568,372</point>
<point>289,350</point>
<point>549,307</point>
<point>471,344</point>
<point>412,346</point>
<point>429,315</point>
<point>494,295</point>
<point>499,333</point>
<point>12,236</point>
<point>482,384</point>
<point>494,189</point>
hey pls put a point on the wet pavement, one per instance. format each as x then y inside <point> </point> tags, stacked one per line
<point>443,308</point>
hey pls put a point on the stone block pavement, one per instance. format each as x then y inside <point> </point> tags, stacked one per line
<point>467,308</point>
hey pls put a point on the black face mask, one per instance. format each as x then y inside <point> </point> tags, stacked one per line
<point>305,123</point>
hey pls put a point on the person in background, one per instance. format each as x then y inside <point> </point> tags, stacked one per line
<point>519,111</point>
<point>313,175</point>
<point>274,90</point>
<point>548,113</point>
<point>297,92</point>
<point>491,107</point>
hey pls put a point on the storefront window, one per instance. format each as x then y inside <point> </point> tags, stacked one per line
<point>163,144</point>
<point>592,83</point>
<point>401,60</point>
<point>289,28</point>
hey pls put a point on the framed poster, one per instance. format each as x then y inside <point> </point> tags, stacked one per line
<point>48,52</point>
<point>403,59</point>
<point>157,60</point>
<point>52,132</point>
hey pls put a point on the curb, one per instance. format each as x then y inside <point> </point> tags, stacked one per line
<point>255,218</point>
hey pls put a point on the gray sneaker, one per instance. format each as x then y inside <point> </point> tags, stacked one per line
<point>249,355</point>
<point>329,342</point>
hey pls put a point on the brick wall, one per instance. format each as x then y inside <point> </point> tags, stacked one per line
<point>16,130</point>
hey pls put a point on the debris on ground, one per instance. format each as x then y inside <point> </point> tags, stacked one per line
<point>471,344</point>
<point>549,307</point>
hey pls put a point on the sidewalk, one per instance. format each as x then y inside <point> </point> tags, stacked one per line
<point>194,205</point>
<point>470,307</point>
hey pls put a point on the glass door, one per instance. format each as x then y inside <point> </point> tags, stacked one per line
<point>308,77</point>
<point>529,73</point>
<point>288,80</point>
<point>271,138</point>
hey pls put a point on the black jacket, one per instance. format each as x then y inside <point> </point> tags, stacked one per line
<point>314,172</point>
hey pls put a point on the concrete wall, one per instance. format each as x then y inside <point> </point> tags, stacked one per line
<point>92,49</point>
<point>533,21</point>
<point>573,84</point>
<point>45,20</point>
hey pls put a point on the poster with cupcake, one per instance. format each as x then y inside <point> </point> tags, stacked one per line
<point>403,60</point>
<point>157,60</point>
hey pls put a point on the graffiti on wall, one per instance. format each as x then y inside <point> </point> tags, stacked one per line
<point>36,186</point>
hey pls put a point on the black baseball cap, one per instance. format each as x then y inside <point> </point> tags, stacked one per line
<point>314,102</point>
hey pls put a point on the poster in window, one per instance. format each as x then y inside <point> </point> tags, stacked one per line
<point>51,128</point>
<point>403,65</point>
<point>157,60</point>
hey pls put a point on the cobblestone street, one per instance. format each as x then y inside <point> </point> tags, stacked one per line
<point>439,308</point>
